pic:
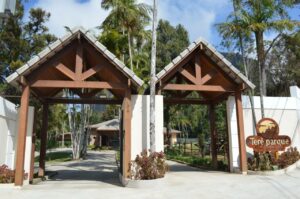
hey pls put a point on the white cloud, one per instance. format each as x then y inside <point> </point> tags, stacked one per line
<point>72,13</point>
<point>197,16</point>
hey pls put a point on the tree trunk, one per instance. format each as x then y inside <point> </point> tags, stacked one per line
<point>130,50</point>
<point>152,83</point>
<point>262,71</point>
<point>236,7</point>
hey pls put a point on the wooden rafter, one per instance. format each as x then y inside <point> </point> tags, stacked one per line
<point>91,72</point>
<point>66,71</point>
<point>208,76</point>
<point>79,62</point>
<point>190,87</point>
<point>198,69</point>
<point>77,84</point>
<point>188,76</point>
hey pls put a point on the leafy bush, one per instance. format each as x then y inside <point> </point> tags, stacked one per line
<point>288,158</point>
<point>148,166</point>
<point>7,175</point>
<point>261,162</point>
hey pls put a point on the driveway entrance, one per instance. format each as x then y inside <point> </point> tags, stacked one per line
<point>98,169</point>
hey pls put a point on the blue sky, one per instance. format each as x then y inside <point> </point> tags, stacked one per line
<point>198,16</point>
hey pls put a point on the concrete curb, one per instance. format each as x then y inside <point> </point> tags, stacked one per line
<point>277,172</point>
<point>155,183</point>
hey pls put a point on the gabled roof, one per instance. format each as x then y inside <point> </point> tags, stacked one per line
<point>112,125</point>
<point>51,49</point>
<point>217,57</point>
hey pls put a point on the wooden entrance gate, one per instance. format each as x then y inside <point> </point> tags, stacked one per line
<point>80,63</point>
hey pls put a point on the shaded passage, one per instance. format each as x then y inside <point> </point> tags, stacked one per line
<point>97,168</point>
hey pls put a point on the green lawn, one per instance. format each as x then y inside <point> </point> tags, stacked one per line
<point>61,156</point>
<point>195,161</point>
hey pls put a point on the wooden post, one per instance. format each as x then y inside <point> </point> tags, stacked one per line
<point>127,138</point>
<point>241,134</point>
<point>23,117</point>
<point>43,145</point>
<point>31,173</point>
<point>213,136</point>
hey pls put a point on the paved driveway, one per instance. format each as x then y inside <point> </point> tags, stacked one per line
<point>97,177</point>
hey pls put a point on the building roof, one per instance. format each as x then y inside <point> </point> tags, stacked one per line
<point>51,50</point>
<point>114,125</point>
<point>217,57</point>
<point>110,125</point>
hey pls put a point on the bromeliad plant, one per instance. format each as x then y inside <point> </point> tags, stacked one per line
<point>289,157</point>
<point>148,165</point>
<point>7,175</point>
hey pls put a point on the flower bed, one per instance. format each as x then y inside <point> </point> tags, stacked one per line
<point>268,162</point>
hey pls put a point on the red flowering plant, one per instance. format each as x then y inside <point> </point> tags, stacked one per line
<point>7,175</point>
<point>148,165</point>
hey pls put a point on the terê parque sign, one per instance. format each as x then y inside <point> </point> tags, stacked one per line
<point>268,138</point>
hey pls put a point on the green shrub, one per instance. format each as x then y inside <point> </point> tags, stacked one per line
<point>288,158</point>
<point>148,166</point>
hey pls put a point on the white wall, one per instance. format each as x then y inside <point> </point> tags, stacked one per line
<point>8,135</point>
<point>284,110</point>
<point>140,122</point>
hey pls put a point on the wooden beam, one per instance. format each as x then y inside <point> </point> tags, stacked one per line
<point>43,137</point>
<point>189,76</point>
<point>189,87</point>
<point>241,133</point>
<point>66,71</point>
<point>79,62</point>
<point>172,101</point>
<point>21,143</point>
<point>91,72</point>
<point>83,101</point>
<point>198,69</point>
<point>208,77</point>
<point>77,84</point>
<point>213,136</point>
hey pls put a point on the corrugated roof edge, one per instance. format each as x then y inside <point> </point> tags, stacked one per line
<point>53,47</point>
<point>191,48</point>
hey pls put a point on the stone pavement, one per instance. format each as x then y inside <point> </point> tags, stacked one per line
<point>97,177</point>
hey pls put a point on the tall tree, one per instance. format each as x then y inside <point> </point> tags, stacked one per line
<point>253,19</point>
<point>128,17</point>
<point>21,40</point>
<point>170,42</point>
<point>152,83</point>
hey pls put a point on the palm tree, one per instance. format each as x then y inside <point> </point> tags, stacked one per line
<point>152,81</point>
<point>254,18</point>
<point>128,17</point>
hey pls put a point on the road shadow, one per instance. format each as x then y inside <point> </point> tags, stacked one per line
<point>97,167</point>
